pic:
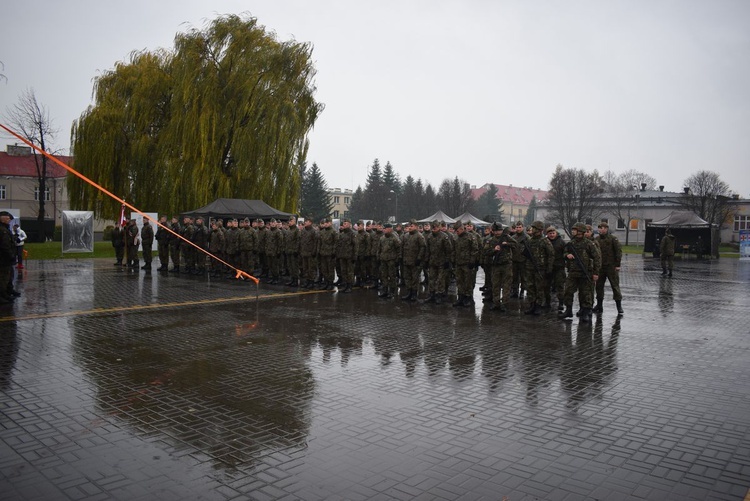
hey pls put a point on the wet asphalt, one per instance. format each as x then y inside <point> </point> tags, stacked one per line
<point>125,385</point>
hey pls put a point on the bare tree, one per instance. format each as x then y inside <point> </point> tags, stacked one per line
<point>455,196</point>
<point>32,121</point>
<point>620,193</point>
<point>574,195</point>
<point>709,197</point>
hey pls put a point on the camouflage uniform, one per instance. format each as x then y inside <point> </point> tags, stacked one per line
<point>373,272</point>
<point>439,250</point>
<point>232,245</point>
<point>131,244</point>
<point>308,250</point>
<point>291,249</point>
<point>274,249</point>
<point>579,280</point>
<point>558,270</point>
<point>346,253</point>
<point>467,257</point>
<point>666,250</point>
<point>413,250</point>
<point>540,257</point>
<point>147,239</point>
<point>518,284</point>
<point>162,237</point>
<point>498,251</point>
<point>246,240</point>
<point>389,251</point>
<point>186,250</point>
<point>215,244</point>
<point>200,239</point>
<point>611,252</point>
<point>363,252</point>
<point>174,244</point>
<point>326,252</point>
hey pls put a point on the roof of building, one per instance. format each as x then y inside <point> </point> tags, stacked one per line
<point>516,195</point>
<point>24,166</point>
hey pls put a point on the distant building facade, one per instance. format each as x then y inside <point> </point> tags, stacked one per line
<point>515,199</point>
<point>341,200</point>
<point>19,184</point>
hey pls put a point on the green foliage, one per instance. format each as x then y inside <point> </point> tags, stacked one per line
<point>488,207</point>
<point>53,250</point>
<point>225,114</point>
<point>57,234</point>
<point>315,201</point>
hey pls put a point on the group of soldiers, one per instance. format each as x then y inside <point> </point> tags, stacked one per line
<point>518,261</point>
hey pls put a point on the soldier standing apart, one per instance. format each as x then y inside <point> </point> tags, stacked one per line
<point>518,284</point>
<point>118,242</point>
<point>327,253</point>
<point>147,238</point>
<point>467,257</point>
<point>389,252</point>
<point>539,261</point>
<point>162,245</point>
<point>308,251</point>
<point>558,270</point>
<point>291,249</point>
<point>583,261</point>
<point>413,251</point>
<point>611,251</point>
<point>666,250</point>
<point>499,250</point>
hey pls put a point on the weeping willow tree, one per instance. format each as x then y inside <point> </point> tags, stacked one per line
<point>226,114</point>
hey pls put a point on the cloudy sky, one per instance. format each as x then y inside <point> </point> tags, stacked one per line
<point>487,90</point>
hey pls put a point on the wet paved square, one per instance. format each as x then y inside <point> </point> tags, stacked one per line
<point>117,385</point>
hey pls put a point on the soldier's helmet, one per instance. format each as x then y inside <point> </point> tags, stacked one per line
<point>580,227</point>
<point>538,225</point>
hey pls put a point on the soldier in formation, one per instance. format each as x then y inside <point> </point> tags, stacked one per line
<point>583,262</point>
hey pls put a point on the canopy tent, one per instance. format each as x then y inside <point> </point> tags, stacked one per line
<point>438,216</point>
<point>238,208</point>
<point>466,217</point>
<point>692,234</point>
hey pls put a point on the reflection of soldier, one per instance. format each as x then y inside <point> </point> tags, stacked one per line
<point>666,297</point>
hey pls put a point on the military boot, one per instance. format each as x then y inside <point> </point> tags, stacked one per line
<point>663,271</point>
<point>384,293</point>
<point>175,269</point>
<point>568,313</point>
<point>670,273</point>
<point>430,298</point>
<point>586,316</point>
<point>407,295</point>
<point>347,288</point>
<point>598,308</point>
<point>620,311</point>
<point>468,301</point>
<point>414,296</point>
<point>459,301</point>
<point>439,298</point>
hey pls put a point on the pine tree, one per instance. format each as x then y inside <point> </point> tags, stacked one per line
<point>315,201</point>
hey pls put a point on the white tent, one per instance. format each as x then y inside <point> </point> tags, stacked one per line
<point>438,216</point>
<point>467,217</point>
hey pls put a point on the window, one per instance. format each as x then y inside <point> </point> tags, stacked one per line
<point>634,225</point>
<point>2,192</point>
<point>620,224</point>
<point>336,200</point>
<point>46,193</point>
<point>346,200</point>
<point>346,213</point>
<point>740,223</point>
<point>335,214</point>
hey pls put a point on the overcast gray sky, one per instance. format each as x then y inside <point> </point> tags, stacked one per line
<point>491,91</point>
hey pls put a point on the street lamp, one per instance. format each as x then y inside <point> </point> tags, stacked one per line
<point>395,211</point>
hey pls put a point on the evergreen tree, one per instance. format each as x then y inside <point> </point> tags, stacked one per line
<point>409,200</point>
<point>356,207</point>
<point>530,216</point>
<point>488,206</point>
<point>315,201</point>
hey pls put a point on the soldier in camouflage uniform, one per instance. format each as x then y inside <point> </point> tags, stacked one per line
<point>518,284</point>
<point>246,239</point>
<point>346,254</point>
<point>540,257</point>
<point>274,249</point>
<point>200,239</point>
<point>162,237</point>
<point>363,250</point>
<point>498,251</point>
<point>260,245</point>
<point>666,251</point>
<point>232,246</point>
<point>583,261</point>
<point>439,250</point>
<point>174,244</point>
<point>389,251</point>
<point>413,249</point>
<point>467,258</point>
<point>327,252</point>
<point>308,251</point>
<point>374,264</point>
<point>292,242</point>
<point>187,250</point>
<point>558,270</point>
<point>611,251</point>
<point>215,244</point>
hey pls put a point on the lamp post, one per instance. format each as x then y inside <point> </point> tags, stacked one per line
<point>637,197</point>
<point>395,211</point>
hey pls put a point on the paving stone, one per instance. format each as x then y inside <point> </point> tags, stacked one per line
<point>122,385</point>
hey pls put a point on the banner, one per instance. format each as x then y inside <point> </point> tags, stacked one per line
<point>77,231</point>
<point>745,245</point>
